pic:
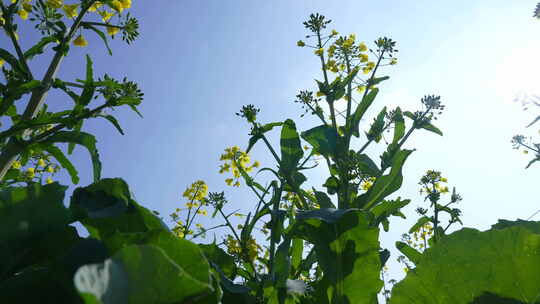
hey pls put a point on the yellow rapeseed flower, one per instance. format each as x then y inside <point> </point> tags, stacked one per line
<point>393,61</point>
<point>363,57</point>
<point>23,14</point>
<point>300,43</point>
<point>360,89</point>
<point>70,10</point>
<point>112,30</point>
<point>50,169</point>
<point>126,3</point>
<point>319,52</point>
<point>41,163</point>
<point>117,6</point>
<point>16,164</point>
<point>31,172</point>
<point>2,21</point>
<point>80,41</point>
<point>105,16</point>
<point>334,33</point>
<point>49,180</point>
<point>362,47</point>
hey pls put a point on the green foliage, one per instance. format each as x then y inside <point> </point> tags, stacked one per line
<point>347,249</point>
<point>468,265</point>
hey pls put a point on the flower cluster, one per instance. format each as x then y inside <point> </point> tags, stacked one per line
<point>367,183</point>
<point>418,239</point>
<point>51,11</point>
<point>235,160</point>
<point>33,167</point>
<point>235,248</point>
<point>196,195</point>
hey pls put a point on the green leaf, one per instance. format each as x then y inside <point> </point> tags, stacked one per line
<point>106,207</point>
<point>386,184</point>
<point>23,210</point>
<point>323,200</point>
<point>366,102</point>
<point>347,249</point>
<point>367,166</point>
<point>89,87</point>
<point>83,139</point>
<point>332,185</point>
<point>399,126</point>
<point>388,208</point>
<point>427,126</point>
<point>468,265</point>
<point>376,129</point>
<point>13,62</point>
<point>324,139</point>
<point>63,161</point>
<point>115,123</point>
<point>377,80</point>
<point>108,197</point>
<point>100,34</point>
<point>297,248</point>
<point>180,251</point>
<point>219,257</point>
<point>258,133</point>
<point>141,274</point>
<point>291,150</point>
<point>412,254</point>
<point>39,47</point>
<point>421,222</point>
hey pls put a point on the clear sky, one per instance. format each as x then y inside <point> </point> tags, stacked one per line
<point>198,62</point>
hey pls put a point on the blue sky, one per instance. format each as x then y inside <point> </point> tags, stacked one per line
<point>198,62</point>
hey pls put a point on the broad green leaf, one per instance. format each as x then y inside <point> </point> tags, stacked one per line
<point>220,258</point>
<point>366,102</point>
<point>110,209</point>
<point>23,211</point>
<point>108,197</point>
<point>291,150</point>
<point>470,266</point>
<point>367,166</point>
<point>81,138</point>
<point>412,254</point>
<point>149,275</point>
<point>324,139</point>
<point>384,185</point>
<point>39,47</point>
<point>421,222</point>
<point>63,161</point>
<point>399,126</point>
<point>388,208</point>
<point>39,285</point>
<point>182,252</point>
<point>323,200</point>
<point>376,129</point>
<point>347,248</point>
